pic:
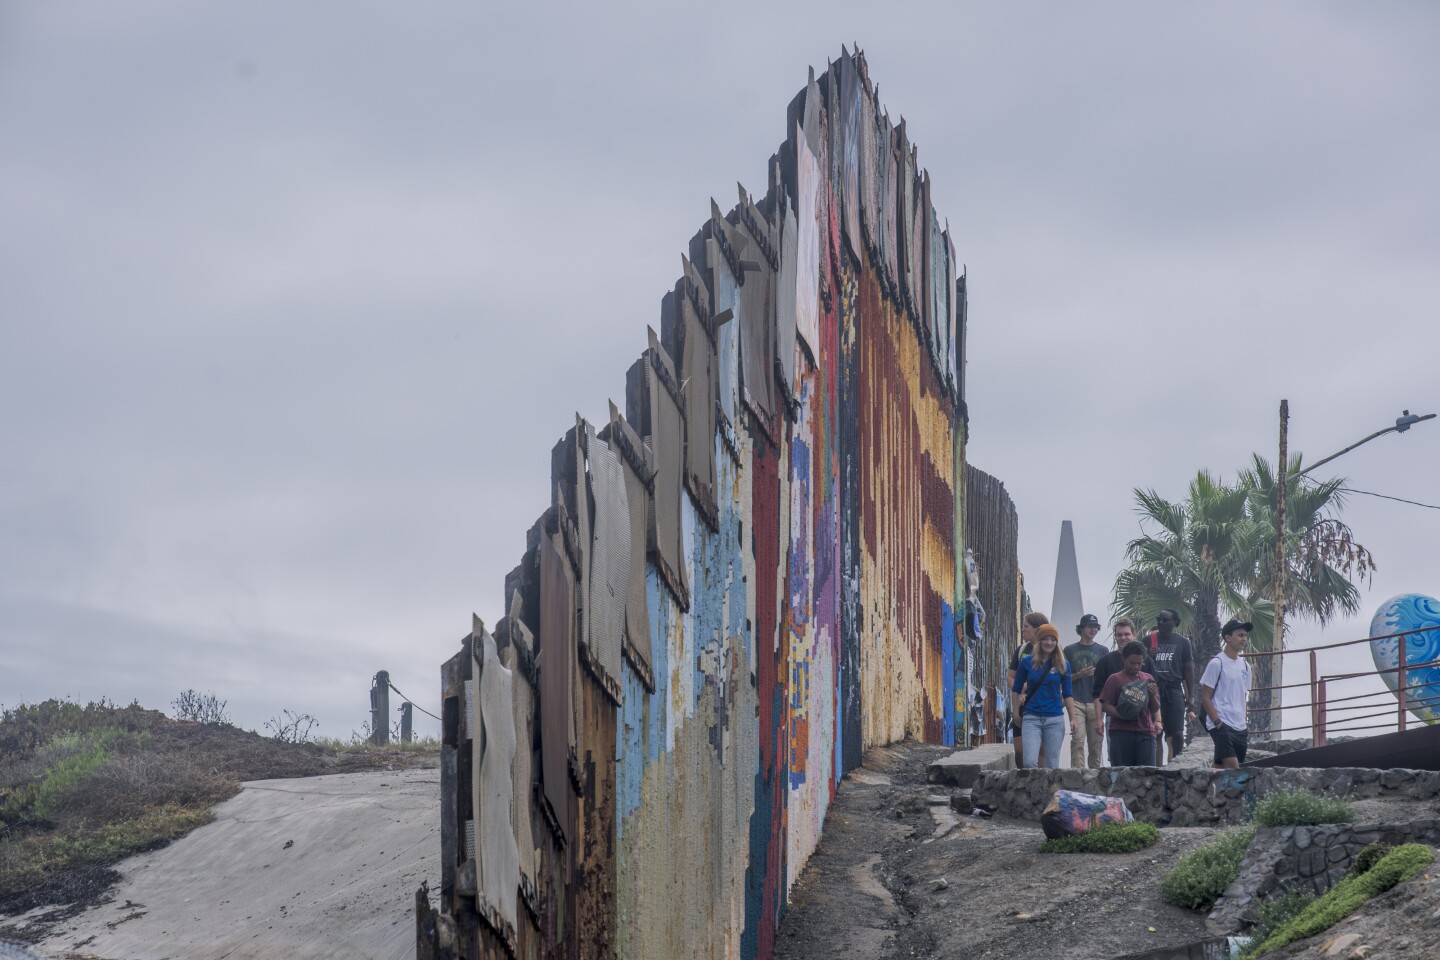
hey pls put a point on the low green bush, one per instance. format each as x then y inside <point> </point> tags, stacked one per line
<point>1106,838</point>
<point>1366,859</point>
<point>61,763</point>
<point>1296,808</point>
<point>1198,878</point>
<point>1343,899</point>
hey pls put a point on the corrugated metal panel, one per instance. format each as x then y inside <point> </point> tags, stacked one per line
<point>666,438</point>
<point>610,557</point>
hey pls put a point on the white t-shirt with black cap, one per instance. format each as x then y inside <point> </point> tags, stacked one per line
<point>1229,682</point>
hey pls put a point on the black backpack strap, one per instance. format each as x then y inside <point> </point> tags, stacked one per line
<point>1034,682</point>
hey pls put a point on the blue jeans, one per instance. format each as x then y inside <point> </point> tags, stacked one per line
<point>1048,732</point>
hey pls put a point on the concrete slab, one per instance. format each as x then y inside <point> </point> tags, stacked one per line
<point>309,868</point>
<point>963,767</point>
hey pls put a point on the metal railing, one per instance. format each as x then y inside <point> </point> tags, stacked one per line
<point>1323,706</point>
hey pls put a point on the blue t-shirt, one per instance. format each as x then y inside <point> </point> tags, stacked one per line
<point>1048,700</point>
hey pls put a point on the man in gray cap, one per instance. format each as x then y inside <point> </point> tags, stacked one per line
<point>1082,655</point>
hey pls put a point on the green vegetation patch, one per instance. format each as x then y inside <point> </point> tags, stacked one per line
<point>58,767</point>
<point>1296,808</point>
<point>1106,838</point>
<point>1198,878</point>
<point>29,861</point>
<point>1343,899</point>
<point>1366,859</point>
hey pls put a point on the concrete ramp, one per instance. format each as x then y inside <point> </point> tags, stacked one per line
<point>301,869</point>
<point>1415,749</point>
<point>963,767</point>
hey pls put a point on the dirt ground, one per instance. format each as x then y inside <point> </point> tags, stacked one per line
<point>892,879</point>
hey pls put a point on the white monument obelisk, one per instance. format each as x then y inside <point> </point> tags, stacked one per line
<point>1067,607</point>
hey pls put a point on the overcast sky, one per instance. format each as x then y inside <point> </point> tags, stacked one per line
<point>295,298</point>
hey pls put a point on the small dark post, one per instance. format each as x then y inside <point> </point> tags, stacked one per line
<point>406,711</point>
<point>380,709</point>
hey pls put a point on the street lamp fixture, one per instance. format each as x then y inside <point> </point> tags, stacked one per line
<point>1402,423</point>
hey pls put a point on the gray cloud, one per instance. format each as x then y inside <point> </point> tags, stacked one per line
<point>298,299</point>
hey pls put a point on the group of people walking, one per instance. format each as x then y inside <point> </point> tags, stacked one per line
<point>1142,691</point>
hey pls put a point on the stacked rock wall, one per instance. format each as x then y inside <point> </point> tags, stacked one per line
<point>1306,858</point>
<point>1194,796</point>
<point>746,577</point>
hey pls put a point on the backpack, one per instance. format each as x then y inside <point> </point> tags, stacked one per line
<point>1133,699</point>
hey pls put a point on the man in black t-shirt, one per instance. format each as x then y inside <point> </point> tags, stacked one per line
<point>1175,671</point>
<point>1082,655</point>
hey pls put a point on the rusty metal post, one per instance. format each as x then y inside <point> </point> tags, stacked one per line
<point>1321,741</point>
<point>407,710</point>
<point>1401,692</point>
<point>1314,703</point>
<point>380,708</point>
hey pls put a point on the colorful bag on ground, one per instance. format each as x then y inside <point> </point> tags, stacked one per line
<point>1069,813</point>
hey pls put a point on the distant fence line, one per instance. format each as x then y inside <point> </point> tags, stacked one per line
<point>744,580</point>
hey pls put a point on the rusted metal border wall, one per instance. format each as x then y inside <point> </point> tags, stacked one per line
<point>996,594</point>
<point>745,578</point>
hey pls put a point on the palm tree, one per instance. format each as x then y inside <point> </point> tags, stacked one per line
<point>1324,558</point>
<point>1215,551</point>
<point>1190,558</point>
<point>1323,562</point>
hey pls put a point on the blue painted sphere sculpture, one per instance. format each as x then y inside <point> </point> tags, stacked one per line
<point>1410,611</point>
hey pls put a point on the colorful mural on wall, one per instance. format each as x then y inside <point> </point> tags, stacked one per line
<point>745,579</point>
<point>1400,615</point>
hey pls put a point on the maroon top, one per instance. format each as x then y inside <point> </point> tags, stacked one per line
<point>1111,694</point>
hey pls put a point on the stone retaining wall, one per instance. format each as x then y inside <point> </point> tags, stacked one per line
<point>1313,857</point>
<point>1194,797</point>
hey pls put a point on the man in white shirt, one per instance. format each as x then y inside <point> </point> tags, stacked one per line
<point>1224,694</point>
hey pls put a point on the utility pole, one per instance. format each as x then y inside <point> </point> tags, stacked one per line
<point>1277,662</point>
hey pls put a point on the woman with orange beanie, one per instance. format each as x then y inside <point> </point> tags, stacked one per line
<point>1043,694</point>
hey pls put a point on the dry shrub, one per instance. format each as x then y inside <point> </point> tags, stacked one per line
<point>128,785</point>
<point>26,728</point>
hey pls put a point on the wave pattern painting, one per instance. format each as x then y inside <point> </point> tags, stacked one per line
<point>1410,611</point>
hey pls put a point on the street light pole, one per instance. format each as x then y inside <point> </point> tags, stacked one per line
<point>1404,422</point>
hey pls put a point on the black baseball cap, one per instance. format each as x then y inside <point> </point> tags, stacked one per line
<point>1232,625</point>
<point>1089,620</point>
